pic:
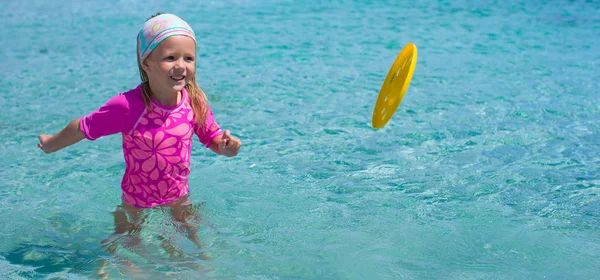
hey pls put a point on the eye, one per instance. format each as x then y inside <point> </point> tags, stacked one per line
<point>189,58</point>
<point>170,57</point>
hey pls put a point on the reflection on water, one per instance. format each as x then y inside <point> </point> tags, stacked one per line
<point>146,244</point>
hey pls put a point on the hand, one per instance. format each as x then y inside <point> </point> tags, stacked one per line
<point>44,139</point>
<point>229,145</point>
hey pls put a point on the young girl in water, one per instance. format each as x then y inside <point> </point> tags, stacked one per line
<point>157,120</point>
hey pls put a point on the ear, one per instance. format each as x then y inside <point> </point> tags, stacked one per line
<point>145,65</point>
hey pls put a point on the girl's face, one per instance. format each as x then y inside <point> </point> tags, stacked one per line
<point>171,65</point>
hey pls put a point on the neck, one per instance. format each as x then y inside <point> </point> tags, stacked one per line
<point>166,98</point>
<point>169,100</point>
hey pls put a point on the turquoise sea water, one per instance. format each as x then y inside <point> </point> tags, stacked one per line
<point>490,168</point>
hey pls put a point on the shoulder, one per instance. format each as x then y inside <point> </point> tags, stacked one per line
<point>127,101</point>
<point>130,98</point>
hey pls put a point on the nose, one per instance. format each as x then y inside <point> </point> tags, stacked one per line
<point>180,64</point>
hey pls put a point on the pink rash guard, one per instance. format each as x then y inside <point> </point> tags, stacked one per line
<point>157,144</point>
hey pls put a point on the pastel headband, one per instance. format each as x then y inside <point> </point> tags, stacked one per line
<point>159,28</point>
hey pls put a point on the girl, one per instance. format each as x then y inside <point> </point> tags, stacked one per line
<point>156,120</point>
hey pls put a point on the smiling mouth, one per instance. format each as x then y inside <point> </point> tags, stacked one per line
<point>178,78</point>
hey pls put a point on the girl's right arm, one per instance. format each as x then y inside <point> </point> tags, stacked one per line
<point>70,135</point>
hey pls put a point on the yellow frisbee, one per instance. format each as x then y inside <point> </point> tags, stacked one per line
<point>394,86</point>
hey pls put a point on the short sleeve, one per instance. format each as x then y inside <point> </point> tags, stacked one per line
<point>209,131</point>
<point>108,119</point>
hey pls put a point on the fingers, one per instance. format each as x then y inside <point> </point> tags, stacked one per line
<point>42,139</point>
<point>41,147</point>
<point>229,144</point>
<point>223,143</point>
<point>225,139</point>
<point>232,143</point>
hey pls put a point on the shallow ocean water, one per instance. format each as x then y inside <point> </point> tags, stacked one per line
<point>489,169</point>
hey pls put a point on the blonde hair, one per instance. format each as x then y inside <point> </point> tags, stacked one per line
<point>196,94</point>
